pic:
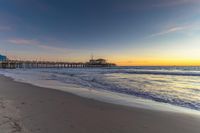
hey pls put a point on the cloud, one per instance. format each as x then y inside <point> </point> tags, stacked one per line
<point>36,43</point>
<point>5,28</point>
<point>151,4</point>
<point>167,31</point>
<point>51,48</point>
<point>187,29</point>
<point>37,4</point>
<point>23,42</point>
<point>170,3</point>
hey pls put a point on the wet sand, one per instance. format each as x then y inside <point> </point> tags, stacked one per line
<point>29,109</point>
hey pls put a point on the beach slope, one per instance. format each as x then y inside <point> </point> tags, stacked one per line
<point>29,109</point>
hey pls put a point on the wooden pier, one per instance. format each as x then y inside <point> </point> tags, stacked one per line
<point>13,64</point>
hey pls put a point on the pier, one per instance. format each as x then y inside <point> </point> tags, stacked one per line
<point>14,64</point>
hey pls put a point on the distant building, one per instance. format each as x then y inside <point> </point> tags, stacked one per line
<point>3,58</point>
<point>97,61</point>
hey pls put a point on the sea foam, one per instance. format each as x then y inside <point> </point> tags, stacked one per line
<point>126,85</point>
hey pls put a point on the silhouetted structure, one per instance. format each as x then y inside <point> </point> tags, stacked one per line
<point>3,58</point>
<point>12,64</point>
<point>99,63</point>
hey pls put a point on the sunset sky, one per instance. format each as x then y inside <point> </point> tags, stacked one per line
<point>126,32</point>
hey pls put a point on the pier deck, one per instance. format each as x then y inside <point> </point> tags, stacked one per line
<point>13,64</point>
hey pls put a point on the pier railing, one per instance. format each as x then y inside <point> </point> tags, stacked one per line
<point>13,64</point>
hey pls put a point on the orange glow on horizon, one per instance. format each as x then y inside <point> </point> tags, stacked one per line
<point>158,62</point>
<point>120,61</point>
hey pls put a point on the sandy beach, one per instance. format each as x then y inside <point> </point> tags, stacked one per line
<point>29,109</point>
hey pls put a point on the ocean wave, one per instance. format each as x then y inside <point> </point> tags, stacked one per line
<point>176,73</point>
<point>158,87</point>
<point>96,81</point>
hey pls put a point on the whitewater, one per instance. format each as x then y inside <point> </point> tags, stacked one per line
<point>174,88</point>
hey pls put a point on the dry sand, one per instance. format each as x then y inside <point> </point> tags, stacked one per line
<point>28,109</point>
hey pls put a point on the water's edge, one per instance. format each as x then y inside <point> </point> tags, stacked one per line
<point>111,97</point>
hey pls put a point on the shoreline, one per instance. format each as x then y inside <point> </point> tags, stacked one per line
<point>103,95</point>
<point>44,110</point>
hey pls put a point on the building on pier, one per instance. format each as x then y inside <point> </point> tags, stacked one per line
<point>99,63</point>
<point>3,58</point>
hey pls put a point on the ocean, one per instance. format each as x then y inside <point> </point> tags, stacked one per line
<point>168,86</point>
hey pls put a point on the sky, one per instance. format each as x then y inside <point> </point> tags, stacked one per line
<point>125,32</point>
